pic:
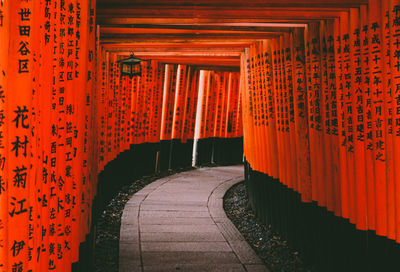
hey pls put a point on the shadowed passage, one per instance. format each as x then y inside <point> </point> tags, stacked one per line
<point>178,223</point>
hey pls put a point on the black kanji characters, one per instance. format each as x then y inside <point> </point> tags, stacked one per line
<point>22,117</point>
<point>18,144</point>
<point>17,206</point>
<point>20,177</point>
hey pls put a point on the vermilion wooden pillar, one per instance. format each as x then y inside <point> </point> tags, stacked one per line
<point>18,125</point>
<point>367,118</point>
<point>388,118</point>
<point>301,115</point>
<point>289,54</point>
<point>378,113</point>
<point>325,109</point>
<point>4,36</point>
<point>394,13</point>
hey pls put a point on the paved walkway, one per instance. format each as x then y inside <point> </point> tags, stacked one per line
<point>177,223</point>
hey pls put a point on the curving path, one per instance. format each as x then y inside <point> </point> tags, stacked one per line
<point>177,223</point>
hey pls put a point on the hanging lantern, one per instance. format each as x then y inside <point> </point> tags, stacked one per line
<point>131,66</point>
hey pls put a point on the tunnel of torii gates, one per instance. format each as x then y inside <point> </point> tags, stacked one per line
<point>311,89</point>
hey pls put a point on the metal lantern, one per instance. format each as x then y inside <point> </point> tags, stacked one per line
<point>131,66</point>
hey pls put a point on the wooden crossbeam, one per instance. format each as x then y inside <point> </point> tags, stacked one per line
<point>131,30</point>
<point>182,36</point>
<point>213,13</point>
<point>182,41</point>
<point>147,28</point>
<point>202,62</point>
<point>204,32</point>
<point>235,3</point>
<point>146,50</point>
<point>199,21</point>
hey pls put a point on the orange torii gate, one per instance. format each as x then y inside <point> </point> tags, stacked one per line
<point>316,102</point>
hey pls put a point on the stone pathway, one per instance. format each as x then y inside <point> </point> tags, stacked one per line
<point>178,223</point>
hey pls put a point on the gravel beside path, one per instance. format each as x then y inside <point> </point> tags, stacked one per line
<point>274,251</point>
<point>109,224</point>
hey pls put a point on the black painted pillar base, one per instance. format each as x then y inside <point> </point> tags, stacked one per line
<point>180,154</point>
<point>164,155</point>
<point>227,151</point>
<point>204,151</point>
<point>187,154</point>
<point>138,161</point>
<point>327,242</point>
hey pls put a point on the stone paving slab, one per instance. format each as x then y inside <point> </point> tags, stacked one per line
<point>186,246</point>
<point>178,223</point>
<point>229,230</point>
<point>184,214</point>
<point>175,221</point>
<point>180,228</point>
<point>181,237</point>
<point>196,268</point>
<point>173,208</point>
<point>177,202</point>
<point>255,268</point>
<point>154,258</point>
